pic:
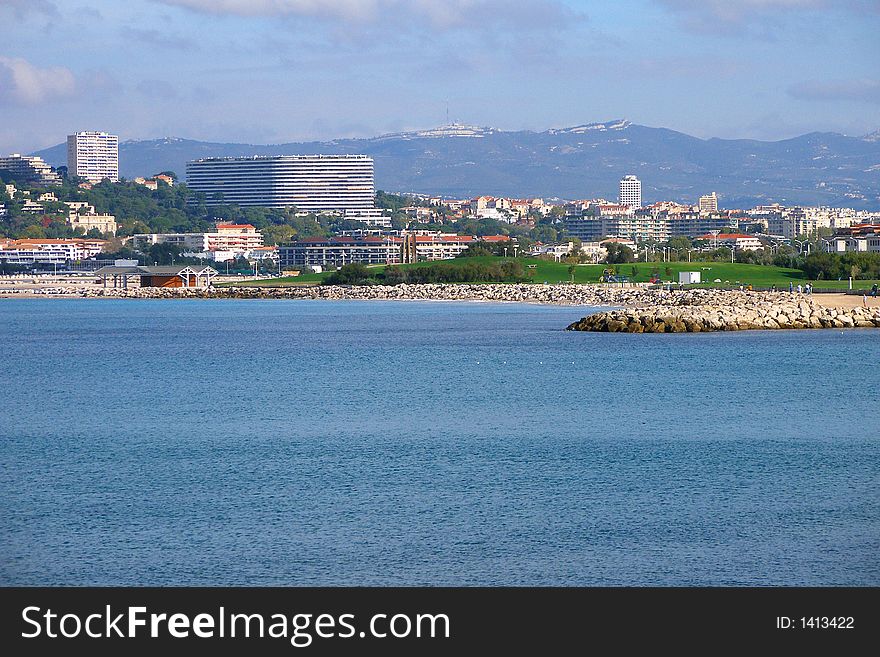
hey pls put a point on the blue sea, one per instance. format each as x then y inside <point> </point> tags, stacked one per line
<point>408,443</point>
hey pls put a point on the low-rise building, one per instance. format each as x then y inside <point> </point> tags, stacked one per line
<point>82,216</point>
<point>735,240</point>
<point>31,207</point>
<point>159,276</point>
<point>593,250</point>
<point>149,183</point>
<point>235,238</point>
<point>103,223</point>
<point>49,251</point>
<point>858,237</point>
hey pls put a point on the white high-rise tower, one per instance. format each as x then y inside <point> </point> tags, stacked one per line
<point>631,192</point>
<point>93,156</point>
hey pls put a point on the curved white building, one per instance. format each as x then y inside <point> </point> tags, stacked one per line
<point>312,183</point>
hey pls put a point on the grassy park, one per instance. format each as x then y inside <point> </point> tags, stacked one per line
<point>713,274</point>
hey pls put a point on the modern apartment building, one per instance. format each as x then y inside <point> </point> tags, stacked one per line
<point>339,251</point>
<point>93,156</point>
<point>642,226</point>
<point>631,192</point>
<point>377,250</point>
<point>311,183</point>
<point>26,168</point>
<point>634,227</point>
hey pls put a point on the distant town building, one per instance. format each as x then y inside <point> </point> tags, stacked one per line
<point>709,203</point>
<point>630,192</point>
<point>26,168</point>
<point>93,156</point>
<point>311,183</point>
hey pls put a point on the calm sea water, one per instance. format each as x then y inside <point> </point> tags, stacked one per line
<point>331,443</point>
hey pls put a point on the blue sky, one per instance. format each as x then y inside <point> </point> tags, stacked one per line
<point>269,71</point>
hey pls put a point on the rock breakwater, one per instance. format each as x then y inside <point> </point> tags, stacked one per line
<point>711,310</point>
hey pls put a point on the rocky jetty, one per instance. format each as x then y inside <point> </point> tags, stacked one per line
<point>696,311</point>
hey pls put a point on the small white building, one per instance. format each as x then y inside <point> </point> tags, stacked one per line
<point>688,277</point>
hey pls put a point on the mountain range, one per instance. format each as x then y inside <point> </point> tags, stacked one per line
<point>585,161</point>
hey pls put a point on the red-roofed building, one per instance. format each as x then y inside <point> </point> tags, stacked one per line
<point>49,251</point>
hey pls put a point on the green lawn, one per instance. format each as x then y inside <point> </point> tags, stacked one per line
<point>729,274</point>
<point>287,281</point>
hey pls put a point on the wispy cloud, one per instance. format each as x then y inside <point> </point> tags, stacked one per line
<point>720,16</point>
<point>22,83</point>
<point>865,90</point>
<point>437,14</point>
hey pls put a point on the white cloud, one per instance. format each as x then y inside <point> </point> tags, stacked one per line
<point>435,13</point>
<point>23,83</point>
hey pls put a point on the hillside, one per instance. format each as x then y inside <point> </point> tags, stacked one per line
<point>579,162</point>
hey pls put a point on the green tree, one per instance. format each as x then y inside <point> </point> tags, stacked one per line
<point>618,253</point>
<point>351,274</point>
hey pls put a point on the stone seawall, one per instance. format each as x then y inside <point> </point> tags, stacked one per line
<point>578,295</point>
<point>728,311</point>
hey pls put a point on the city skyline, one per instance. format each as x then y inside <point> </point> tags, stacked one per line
<point>264,72</point>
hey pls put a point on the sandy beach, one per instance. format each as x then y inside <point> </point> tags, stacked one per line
<point>846,300</point>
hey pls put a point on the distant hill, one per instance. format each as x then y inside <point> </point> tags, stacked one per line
<point>584,161</point>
